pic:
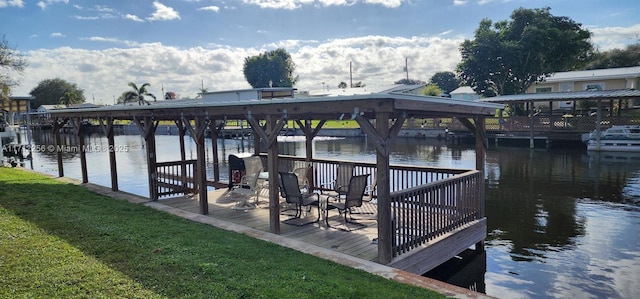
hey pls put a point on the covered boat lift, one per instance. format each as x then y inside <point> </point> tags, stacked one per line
<point>380,116</point>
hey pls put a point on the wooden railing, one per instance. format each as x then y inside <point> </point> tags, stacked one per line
<point>550,123</point>
<point>427,202</point>
<point>423,213</point>
<point>175,177</point>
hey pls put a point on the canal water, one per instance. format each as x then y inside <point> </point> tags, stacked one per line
<point>561,223</point>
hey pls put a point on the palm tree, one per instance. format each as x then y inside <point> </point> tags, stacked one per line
<point>68,98</point>
<point>138,94</point>
<point>202,91</point>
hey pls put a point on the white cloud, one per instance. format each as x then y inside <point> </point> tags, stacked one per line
<point>45,3</point>
<point>56,34</point>
<point>615,37</point>
<point>375,60</point>
<point>15,3</point>
<point>210,8</point>
<point>132,17</point>
<point>111,40</point>
<point>105,73</point>
<point>295,4</point>
<point>459,2</point>
<point>386,3</point>
<point>163,13</point>
<point>85,18</point>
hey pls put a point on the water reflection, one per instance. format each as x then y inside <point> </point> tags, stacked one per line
<point>561,223</point>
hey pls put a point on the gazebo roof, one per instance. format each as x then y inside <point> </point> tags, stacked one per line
<point>565,96</point>
<point>296,108</point>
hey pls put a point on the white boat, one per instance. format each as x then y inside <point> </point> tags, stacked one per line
<point>615,139</point>
<point>8,139</point>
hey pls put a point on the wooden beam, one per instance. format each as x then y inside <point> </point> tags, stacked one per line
<point>271,134</point>
<point>112,153</point>
<point>58,124</point>
<point>214,129</point>
<point>384,189</point>
<point>272,168</point>
<point>382,144</point>
<point>77,124</point>
<point>474,128</point>
<point>183,151</point>
<point>148,131</point>
<point>201,124</point>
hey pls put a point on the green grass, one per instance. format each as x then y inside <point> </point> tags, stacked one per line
<point>60,240</point>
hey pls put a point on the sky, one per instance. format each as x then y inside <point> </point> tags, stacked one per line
<point>185,45</point>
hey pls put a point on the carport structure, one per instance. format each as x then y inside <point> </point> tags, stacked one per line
<point>406,199</point>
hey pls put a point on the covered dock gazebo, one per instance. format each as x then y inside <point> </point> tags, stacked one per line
<point>413,207</point>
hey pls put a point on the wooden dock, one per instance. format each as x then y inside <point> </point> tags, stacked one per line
<point>356,242</point>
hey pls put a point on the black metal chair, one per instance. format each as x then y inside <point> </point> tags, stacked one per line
<point>290,190</point>
<point>353,198</point>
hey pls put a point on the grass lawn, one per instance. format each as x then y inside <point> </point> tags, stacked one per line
<point>60,240</point>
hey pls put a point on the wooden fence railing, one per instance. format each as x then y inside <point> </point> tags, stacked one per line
<point>550,123</point>
<point>175,177</point>
<point>427,202</point>
<point>425,212</point>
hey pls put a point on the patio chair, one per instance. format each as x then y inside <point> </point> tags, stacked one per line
<point>303,178</point>
<point>353,198</point>
<point>248,186</point>
<point>290,190</point>
<point>340,184</point>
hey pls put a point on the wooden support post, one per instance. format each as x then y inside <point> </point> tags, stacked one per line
<point>112,154</point>
<point>272,167</point>
<point>383,137</point>
<point>201,178</point>
<point>77,123</point>
<point>309,134</point>
<point>270,137</point>
<point>183,152</point>
<point>148,130</point>
<point>531,130</point>
<point>385,218</point>
<point>213,131</point>
<point>57,125</point>
<point>200,175</point>
<point>481,146</point>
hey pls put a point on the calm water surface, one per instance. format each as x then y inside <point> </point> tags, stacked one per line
<point>561,223</point>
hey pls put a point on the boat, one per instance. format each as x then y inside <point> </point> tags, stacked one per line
<point>614,139</point>
<point>9,141</point>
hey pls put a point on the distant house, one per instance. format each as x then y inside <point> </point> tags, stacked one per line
<point>464,93</point>
<point>589,80</point>
<point>602,79</point>
<point>16,109</point>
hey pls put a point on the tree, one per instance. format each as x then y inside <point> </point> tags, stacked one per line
<point>170,95</point>
<point>342,85</point>
<point>447,81</point>
<point>628,57</point>
<point>138,94</point>
<point>508,56</point>
<point>10,60</point>
<point>50,91</point>
<point>410,82</point>
<point>270,69</point>
<point>201,92</point>
<point>432,90</point>
<point>69,98</point>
